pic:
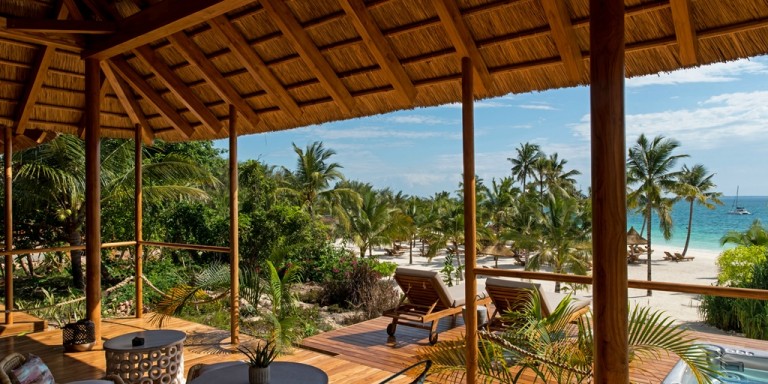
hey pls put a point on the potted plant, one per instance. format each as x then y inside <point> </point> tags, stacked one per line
<point>259,358</point>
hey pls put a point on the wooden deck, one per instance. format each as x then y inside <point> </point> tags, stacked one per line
<point>367,343</point>
<point>203,345</point>
<point>22,323</point>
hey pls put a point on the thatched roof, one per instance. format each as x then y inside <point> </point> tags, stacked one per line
<point>174,66</point>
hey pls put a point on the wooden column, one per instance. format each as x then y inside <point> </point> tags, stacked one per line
<point>234,245</point>
<point>8,157</point>
<point>93,194</point>
<point>138,167</point>
<point>470,230</point>
<point>609,209</point>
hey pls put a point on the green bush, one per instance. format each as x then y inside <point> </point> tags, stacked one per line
<point>736,264</point>
<point>358,285</point>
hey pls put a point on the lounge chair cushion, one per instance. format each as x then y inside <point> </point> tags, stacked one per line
<point>549,300</point>
<point>453,296</point>
<point>33,371</point>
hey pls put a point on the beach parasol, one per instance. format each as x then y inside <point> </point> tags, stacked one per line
<point>496,251</point>
<point>634,238</point>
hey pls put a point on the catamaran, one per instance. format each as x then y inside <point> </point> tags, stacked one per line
<point>736,209</point>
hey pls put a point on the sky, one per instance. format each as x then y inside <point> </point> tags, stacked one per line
<point>718,113</point>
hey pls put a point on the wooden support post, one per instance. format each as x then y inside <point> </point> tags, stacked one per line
<point>470,250</point>
<point>234,244</point>
<point>609,209</point>
<point>138,166</point>
<point>93,194</point>
<point>8,157</point>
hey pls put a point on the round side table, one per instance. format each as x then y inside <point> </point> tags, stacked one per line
<point>160,360</point>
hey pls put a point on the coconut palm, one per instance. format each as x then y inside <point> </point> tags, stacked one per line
<point>650,166</point>
<point>496,203</point>
<point>311,180</point>
<point>695,185</point>
<point>564,237</point>
<point>756,234</point>
<point>522,164</point>
<point>370,221</point>
<point>52,177</point>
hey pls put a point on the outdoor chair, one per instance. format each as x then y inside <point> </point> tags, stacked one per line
<point>512,296</point>
<point>426,300</point>
<point>16,360</point>
<point>679,257</point>
<point>669,256</point>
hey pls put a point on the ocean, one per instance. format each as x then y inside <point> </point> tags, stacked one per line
<point>709,225</point>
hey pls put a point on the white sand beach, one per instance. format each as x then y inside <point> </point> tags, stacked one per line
<point>681,306</point>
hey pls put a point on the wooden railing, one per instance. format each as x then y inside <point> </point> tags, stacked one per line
<point>742,293</point>
<point>193,247</point>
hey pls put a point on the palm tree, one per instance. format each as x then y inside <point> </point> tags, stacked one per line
<point>313,176</point>
<point>369,222</point>
<point>52,176</point>
<point>495,203</point>
<point>522,165</point>
<point>756,234</point>
<point>650,166</point>
<point>565,237</point>
<point>694,185</point>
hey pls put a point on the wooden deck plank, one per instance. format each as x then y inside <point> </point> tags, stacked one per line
<point>22,323</point>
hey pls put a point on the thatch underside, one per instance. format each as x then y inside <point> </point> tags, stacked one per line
<point>299,63</point>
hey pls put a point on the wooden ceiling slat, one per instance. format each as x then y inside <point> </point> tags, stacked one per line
<point>453,22</point>
<point>48,41</point>
<point>315,61</point>
<point>565,38</point>
<point>156,22</point>
<point>249,59</point>
<point>36,79</point>
<point>129,103</point>
<point>178,88</point>
<point>380,49</point>
<point>62,26</point>
<point>187,48</point>
<point>74,11</point>
<point>147,92</point>
<point>685,32</point>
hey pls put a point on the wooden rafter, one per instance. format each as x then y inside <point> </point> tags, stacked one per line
<point>156,22</point>
<point>178,88</point>
<point>211,74</point>
<point>148,93</point>
<point>36,80</point>
<point>380,49</point>
<point>450,17</point>
<point>310,54</point>
<point>74,11</point>
<point>62,26</point>
<point>685,31</point>
<point>129,103</point>
<point>565,38</point>
<point>259,71</point>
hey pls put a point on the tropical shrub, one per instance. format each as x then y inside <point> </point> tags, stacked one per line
<point>736,265</point>
<point>360,287</point>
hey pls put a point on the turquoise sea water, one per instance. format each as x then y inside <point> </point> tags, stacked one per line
<point>708,225</point>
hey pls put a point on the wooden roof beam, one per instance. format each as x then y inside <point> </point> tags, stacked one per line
<point>129,103</point>
<point>148,93</point>
<point>380,49</point>
<point>37,77</point>
<point>154,23</point>
<point>187,48</point>
<point>281,15</point>
<point>178,88</point>
<point>256,67</point>
<point>685,32</point>
<point>62,26</point>
<point>565,38</point>
<point>453,22</point>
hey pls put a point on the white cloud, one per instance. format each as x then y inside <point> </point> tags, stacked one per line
<point>537,106</point>
<point>714,73</point>
<point>419,119</point>
<point>727,117</point>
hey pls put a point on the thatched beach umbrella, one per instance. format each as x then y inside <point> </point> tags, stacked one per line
<point>497,250</point>
<point>634,238</point>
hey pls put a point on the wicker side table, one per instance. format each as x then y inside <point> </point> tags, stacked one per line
<point>160,360</point>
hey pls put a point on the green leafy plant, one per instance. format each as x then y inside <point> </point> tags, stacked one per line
<point>547,347</point>
<point>261,355</point>
<point>736,264</point>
